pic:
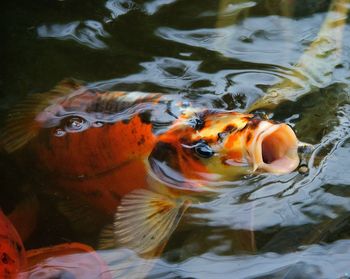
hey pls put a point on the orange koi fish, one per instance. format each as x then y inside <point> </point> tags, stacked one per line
<point>12,254</point>
<point>110,149</point>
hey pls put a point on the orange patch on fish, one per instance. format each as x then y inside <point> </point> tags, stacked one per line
<point>12,254</point>
<point>235,155</point>
<point>95,150</point>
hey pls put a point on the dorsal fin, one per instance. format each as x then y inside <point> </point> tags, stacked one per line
<point>21,125</point>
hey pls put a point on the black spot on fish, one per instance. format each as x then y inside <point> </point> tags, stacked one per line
<point>229,128</point>
<point>142,140</point>
<point>164,153</point>
<point>6,259</point>
<point>249,137</point>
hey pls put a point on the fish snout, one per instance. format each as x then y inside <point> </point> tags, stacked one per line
<point>274,148</point>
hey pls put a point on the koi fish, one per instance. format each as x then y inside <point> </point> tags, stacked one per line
<point>109,149</point>
<point>12,254</point>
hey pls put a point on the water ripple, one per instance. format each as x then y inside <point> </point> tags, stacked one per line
<point>292,199</point>
<point>152,7</point>
<point>118,8</point>
<point>315,261</point>
<point>273,40</point>
<point>87,33</point>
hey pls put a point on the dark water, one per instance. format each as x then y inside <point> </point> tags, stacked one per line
<point>225,54</point>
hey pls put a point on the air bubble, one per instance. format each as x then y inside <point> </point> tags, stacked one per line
<point>303,169</point>
<point>59,132</point>
<point>75,124</point>
<point>97,124</point>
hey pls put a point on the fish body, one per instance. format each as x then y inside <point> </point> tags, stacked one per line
<point>24,217</point>
<point>106,148</point>
<point>101,164</point>
<point>12,254</point>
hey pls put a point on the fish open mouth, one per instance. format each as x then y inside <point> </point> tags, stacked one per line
<point>276,149</point>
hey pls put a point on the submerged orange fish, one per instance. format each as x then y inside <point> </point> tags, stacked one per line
<point>68,259</point>
<point>108,148</point>
<point>12,254</point>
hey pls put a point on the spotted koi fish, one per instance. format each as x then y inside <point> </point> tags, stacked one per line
<point>110,150</point>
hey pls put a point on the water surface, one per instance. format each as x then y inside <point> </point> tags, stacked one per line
<point>224,54</point>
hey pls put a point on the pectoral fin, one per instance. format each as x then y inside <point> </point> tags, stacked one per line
<point>145,220</point>
<point>107,238</point>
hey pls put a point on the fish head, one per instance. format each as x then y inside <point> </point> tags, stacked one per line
<point>215,145</point>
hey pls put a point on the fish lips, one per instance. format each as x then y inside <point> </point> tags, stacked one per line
<point>274,148</point>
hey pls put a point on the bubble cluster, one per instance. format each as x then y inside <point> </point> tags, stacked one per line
<point>75,124</point>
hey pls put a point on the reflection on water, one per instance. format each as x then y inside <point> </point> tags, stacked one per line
<point>86,33</point>
<point>315,261</point>
<point>219,54</point>
<point>118,8</point>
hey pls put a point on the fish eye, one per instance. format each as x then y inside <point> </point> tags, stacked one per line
<point>203,150</point>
